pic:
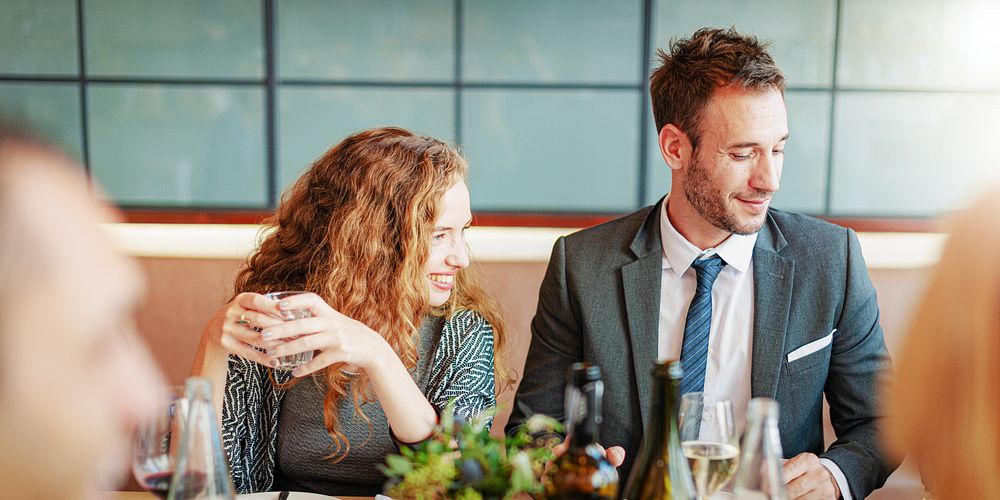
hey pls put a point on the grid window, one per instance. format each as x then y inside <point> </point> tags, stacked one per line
<point>38,38</point>
<point>920,44</point>
<point>178,146</point>
<point>894,155</point>
<point>801,31</point>
<point>178,38</point>
<point>540,41</point>
<point>209,104</point>
<point>54,109</point>
<point>551,150</point>
<point>313,119</point>
<point>393,40</point>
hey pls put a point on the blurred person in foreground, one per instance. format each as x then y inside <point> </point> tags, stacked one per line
<point>944,406</point>
<point>72,383</point>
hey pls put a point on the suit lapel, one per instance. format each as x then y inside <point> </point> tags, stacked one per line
<point>772,276</point>
<point>641,283</point>
<point>642,303</point>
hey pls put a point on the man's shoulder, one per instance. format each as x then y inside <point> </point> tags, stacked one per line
<point>800,230</point>
<point>796,224</point>
<point>797,221</point>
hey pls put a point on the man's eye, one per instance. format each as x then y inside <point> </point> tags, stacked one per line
<point>739,157</point>
<point>778,152</point>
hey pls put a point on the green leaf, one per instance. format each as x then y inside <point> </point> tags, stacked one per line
<point>510,465</point>
<point>398,465</point>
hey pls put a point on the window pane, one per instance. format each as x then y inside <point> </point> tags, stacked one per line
<point>802,31</point>
<point>38,38</point>
<point>313,119</point>
<point>178,145</point>
<point>920,44</point>
<point>552,150</point>
<point>176,38</point>
<point>49,109</point>
<point>803,179</point>
<point>394,40</point>
<point>540,41</point>
<point>893,155</point>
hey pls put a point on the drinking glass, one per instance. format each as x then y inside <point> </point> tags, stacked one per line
<point>709,441</point>
<point>291,361</point>
<point>154,449</point>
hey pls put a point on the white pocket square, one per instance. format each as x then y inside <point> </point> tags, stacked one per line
<point>811,347</point>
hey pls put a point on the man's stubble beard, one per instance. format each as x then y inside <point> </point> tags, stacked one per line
<point>711,204</point>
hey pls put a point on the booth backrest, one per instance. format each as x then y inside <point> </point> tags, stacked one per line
<point>183,293</point>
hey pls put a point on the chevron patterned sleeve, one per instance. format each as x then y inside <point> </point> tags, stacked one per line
<point>462,367</point>
<point>250,423</point>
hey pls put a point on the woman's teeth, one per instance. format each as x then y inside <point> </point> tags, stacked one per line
<point>442,278</point>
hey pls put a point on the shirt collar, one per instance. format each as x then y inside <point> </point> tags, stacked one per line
<point>679,253</point>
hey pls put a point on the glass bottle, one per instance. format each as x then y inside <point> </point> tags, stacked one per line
<point>661,470</point>
<point>201,470</point>
<point>759,475</point>
<point>583,471</point>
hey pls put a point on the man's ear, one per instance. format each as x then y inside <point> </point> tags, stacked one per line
<point>674,146</point>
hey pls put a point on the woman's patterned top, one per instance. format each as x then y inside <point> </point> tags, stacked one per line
<point>461,369</point>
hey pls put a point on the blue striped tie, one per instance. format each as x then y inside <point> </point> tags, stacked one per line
<point>694,351</point>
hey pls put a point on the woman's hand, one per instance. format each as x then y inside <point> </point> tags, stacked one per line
<point>338,338</point>
<point>235,329</point>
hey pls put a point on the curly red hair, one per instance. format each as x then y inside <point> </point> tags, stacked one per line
<point>355,230</point>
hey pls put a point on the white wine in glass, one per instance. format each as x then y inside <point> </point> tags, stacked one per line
<point>708,438</point>
<point>712,464</point>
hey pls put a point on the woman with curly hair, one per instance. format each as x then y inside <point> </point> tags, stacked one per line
<point>374,233</point>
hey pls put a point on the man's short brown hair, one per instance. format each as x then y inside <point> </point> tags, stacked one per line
<point>694,67</point>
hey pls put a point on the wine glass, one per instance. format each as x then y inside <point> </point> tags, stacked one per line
<point>154,448</point>
<point>709,441</point>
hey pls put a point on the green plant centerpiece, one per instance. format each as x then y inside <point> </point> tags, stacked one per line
<point>462,460</point>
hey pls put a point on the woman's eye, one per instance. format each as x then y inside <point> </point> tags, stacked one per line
<point>439,236</point>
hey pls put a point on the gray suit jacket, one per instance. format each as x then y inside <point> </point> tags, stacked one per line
<point>599,302</point>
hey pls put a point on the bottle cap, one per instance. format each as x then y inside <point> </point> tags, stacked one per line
<point>670,369</point>
<point>582,373</point>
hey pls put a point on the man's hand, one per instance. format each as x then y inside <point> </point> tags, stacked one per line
<point>614,454</point>
<point>806,478</point>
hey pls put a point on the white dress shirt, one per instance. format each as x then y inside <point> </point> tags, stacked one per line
<point>730,341</point>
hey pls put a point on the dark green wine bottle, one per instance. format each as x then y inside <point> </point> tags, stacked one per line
<point>583,471</point>
<point>661,470</point>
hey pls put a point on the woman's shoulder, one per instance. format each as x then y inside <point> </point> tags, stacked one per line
<point>467,322</point>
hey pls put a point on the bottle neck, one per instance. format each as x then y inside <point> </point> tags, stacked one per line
<point>662,428</point>
<point>583,413</point>
<point>760,469</point>
<point>762,423</point>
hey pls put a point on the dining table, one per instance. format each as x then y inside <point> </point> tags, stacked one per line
<point>143,495</point>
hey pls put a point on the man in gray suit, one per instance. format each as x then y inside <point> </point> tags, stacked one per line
<point>754,301</point>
